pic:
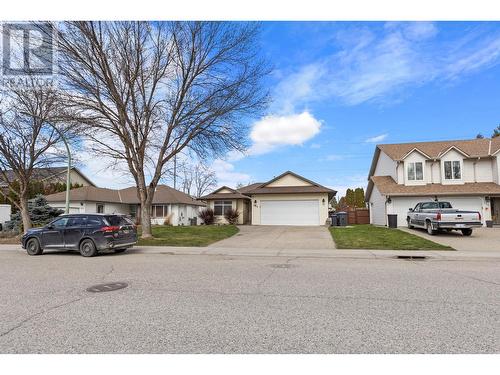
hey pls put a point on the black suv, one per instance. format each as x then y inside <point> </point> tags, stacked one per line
<point>87,233</point>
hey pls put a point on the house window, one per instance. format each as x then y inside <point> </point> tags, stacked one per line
<point>133,210</point>
<point>415,171</point>
<point>452,170</point>
<point>100,208</point>
<point>159,210</point>
<point>221,207</point>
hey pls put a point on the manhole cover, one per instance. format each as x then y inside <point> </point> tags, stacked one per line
<point>108,287</point>
<point>282,265</point>
<point>411,257</point>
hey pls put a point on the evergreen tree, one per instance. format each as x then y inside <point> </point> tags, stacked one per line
<point>359,195</point>
<point>496,132</point>
<point>40,214</point>
<point>350,198</point>
<point>333,203</point>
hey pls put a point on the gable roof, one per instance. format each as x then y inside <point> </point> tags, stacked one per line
<point>415,150</point>
<point>245,189</point>
<point>42,174</point>
<point>163,195</point>
<point>261,188</point>
<point>313,188</point>
<point>480,147</point>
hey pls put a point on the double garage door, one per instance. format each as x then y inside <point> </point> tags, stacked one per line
<point>290,212</point>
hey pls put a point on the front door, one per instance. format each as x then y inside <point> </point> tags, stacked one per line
<point>53,235</point>
<point>495,210</point>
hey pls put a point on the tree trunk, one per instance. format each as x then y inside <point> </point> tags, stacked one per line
<point>146,218</point>
<point>23,202</point>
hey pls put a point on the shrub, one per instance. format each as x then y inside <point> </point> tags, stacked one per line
<point>207,216</point>
<point>232,216</point>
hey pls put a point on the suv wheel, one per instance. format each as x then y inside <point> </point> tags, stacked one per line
<point>467,232</point>
<point>33,247</point>
<point>87,248</point>
<point>429,229</point>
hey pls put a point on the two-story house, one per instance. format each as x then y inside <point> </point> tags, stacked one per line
<point>465,173</point>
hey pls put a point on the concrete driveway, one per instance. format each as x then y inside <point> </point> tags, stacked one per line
<point>278,237</point>
<point>482,239</point>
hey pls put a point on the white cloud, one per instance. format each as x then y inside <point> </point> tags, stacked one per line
<point>272,132</point>
<point>226,175</point>
<point>378,138</point>
<point>371,66</point>
<point>315,145</point>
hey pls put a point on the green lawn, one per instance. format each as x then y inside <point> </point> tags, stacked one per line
<point>201,235</point>
<point>373,237</point>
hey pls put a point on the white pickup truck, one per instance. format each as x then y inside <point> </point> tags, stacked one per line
<point>436,216</point>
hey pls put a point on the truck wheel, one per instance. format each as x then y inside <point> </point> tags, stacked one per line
<point>87,248</point>
<point>467,232</point>
<point>33,247</point>
<point>408,222</point>
<point>431,231</point>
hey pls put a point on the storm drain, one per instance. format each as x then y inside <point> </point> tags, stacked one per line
<point>282,265</point>
<point>411,257</point>
<point>108,287</point>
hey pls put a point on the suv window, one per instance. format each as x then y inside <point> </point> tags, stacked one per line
<point>94,221</point>
<point>77,221</point>
<point>116,220</point>
<point>59,223</point>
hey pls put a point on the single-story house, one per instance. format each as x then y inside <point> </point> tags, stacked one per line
<point>288,199</point>
<point>52,175</point>
<point>168,203</point>
<point>465,173</point>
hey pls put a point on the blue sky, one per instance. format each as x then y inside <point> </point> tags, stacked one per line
<point>368,83</point>
<point>338,88</point>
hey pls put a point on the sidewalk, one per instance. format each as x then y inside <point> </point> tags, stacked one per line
<point>303,253</point>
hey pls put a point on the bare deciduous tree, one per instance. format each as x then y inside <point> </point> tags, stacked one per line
<point>27,142</point>
<point>198,180</point>
<point>150,90</point>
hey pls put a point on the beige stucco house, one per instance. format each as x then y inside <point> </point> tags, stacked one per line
<point>288,199</point>
<point>465,173</point>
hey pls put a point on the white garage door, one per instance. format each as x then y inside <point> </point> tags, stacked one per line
<point>289,212</point>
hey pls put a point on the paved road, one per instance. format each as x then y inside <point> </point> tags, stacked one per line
<point>221,304</point>
<point>481,240</point>
<point>278,237</point>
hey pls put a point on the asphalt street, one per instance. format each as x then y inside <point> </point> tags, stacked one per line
<point>242,304</point>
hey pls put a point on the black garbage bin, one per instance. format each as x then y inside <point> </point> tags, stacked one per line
<point>392,219</point>
<point>342,219</point>
<point>489,223</point>
<point>334,218</point>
